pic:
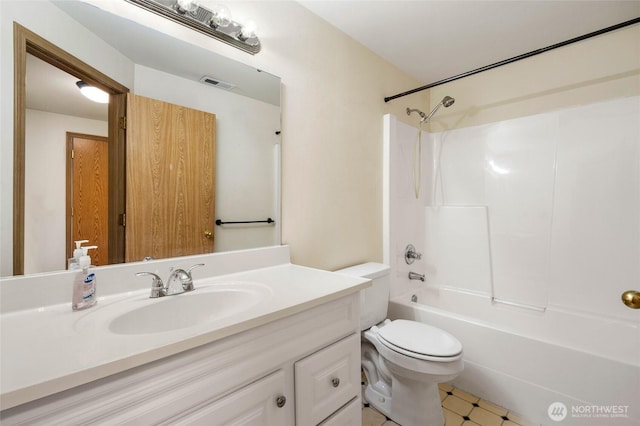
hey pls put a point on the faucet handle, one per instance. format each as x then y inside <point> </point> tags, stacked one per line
<point>157,287</point>
<point>188,285</point>
<point>197,265</point>
<point>410,254</point>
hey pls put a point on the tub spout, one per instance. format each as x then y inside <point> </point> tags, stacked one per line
<point>416,276</point>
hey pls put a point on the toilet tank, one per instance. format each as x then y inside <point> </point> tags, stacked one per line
<point>374,300</point>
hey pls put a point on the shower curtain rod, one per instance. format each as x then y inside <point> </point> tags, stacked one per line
<point>516,58</point>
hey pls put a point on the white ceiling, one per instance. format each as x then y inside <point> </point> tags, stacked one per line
<point>433,40</point>
<point>53,90</point>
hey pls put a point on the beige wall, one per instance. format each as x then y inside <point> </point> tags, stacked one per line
<point>332,163</point>
<point>597,69</point>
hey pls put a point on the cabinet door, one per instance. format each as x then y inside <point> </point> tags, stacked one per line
<point>262,403</point>
<point>327,380</point>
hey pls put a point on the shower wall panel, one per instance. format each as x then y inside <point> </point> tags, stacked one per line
<point>457,248</point>
<point>519,164</point>
<point>595,251</point>
<point>508,167</point>
<point>562,194</point>
<point>403,212</point>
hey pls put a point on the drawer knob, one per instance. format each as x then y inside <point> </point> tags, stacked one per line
<point>280,401</point>
<point>335,382</point>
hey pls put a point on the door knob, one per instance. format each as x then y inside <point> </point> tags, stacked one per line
<point>631,298</point>
<point>208,234</point>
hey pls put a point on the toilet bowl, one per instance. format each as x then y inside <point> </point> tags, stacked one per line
<point>403,360</point>
<point>415,357</point>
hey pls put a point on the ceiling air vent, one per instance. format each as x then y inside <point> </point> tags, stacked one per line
<point>217,83</point>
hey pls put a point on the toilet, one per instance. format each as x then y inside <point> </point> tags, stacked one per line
<point>403,360</point>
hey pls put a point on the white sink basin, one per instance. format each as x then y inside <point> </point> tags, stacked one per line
<point>205,305</point>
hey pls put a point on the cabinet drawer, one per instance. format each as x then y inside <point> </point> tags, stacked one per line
<point>327,380</point>
<point>264,402</point>
<point>349,415</point>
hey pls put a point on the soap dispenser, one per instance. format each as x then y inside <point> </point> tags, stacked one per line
<point>73,262</point>
<point>84,283</point>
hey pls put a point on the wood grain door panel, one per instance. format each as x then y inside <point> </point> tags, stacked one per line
<point>88,195</point>
<point>170,179</point>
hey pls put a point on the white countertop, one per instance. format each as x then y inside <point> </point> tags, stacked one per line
<point>50,349</point>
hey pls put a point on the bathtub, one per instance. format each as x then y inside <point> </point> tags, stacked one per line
<point>525,360</point>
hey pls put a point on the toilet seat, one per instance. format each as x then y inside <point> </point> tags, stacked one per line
<point>421,341</point>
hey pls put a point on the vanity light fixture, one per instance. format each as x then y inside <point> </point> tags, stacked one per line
<point>215,22</point>
<point>93,93</point>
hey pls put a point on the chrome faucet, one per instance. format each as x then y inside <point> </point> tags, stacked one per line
<point>416,276</point>
<point>179,281</point>
<point>410,254</point>
<point>157,288</point>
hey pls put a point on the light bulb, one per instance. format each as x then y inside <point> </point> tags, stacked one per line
<point>93,93</point>
<point>184,6</point>
<point>221,16</point>
<point>248,30</point>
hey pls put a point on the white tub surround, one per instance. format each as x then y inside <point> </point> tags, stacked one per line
<point>47,348</point>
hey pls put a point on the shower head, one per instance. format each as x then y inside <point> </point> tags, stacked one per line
<point>447,101</point>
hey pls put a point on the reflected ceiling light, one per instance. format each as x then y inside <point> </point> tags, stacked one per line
<point>186,6</point>
<point>215,22</point>
<point>248,30</point>
<point>221,17</point>
<point>93,93</point>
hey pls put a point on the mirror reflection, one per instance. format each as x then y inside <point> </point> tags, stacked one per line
<point>244,101</point>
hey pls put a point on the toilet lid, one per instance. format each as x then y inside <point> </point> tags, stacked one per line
<point>412,337</point>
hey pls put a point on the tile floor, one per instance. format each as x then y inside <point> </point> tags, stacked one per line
<point>460,409</point>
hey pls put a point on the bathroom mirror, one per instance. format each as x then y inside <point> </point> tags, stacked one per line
<point>150,63</point>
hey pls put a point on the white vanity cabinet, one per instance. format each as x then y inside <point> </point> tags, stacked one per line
<point>302,369</point>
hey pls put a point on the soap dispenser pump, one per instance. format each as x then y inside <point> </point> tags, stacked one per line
<point>74,262</point>
<point>84,283</point>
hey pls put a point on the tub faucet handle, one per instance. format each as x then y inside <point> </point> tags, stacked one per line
<point>410,254</point>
